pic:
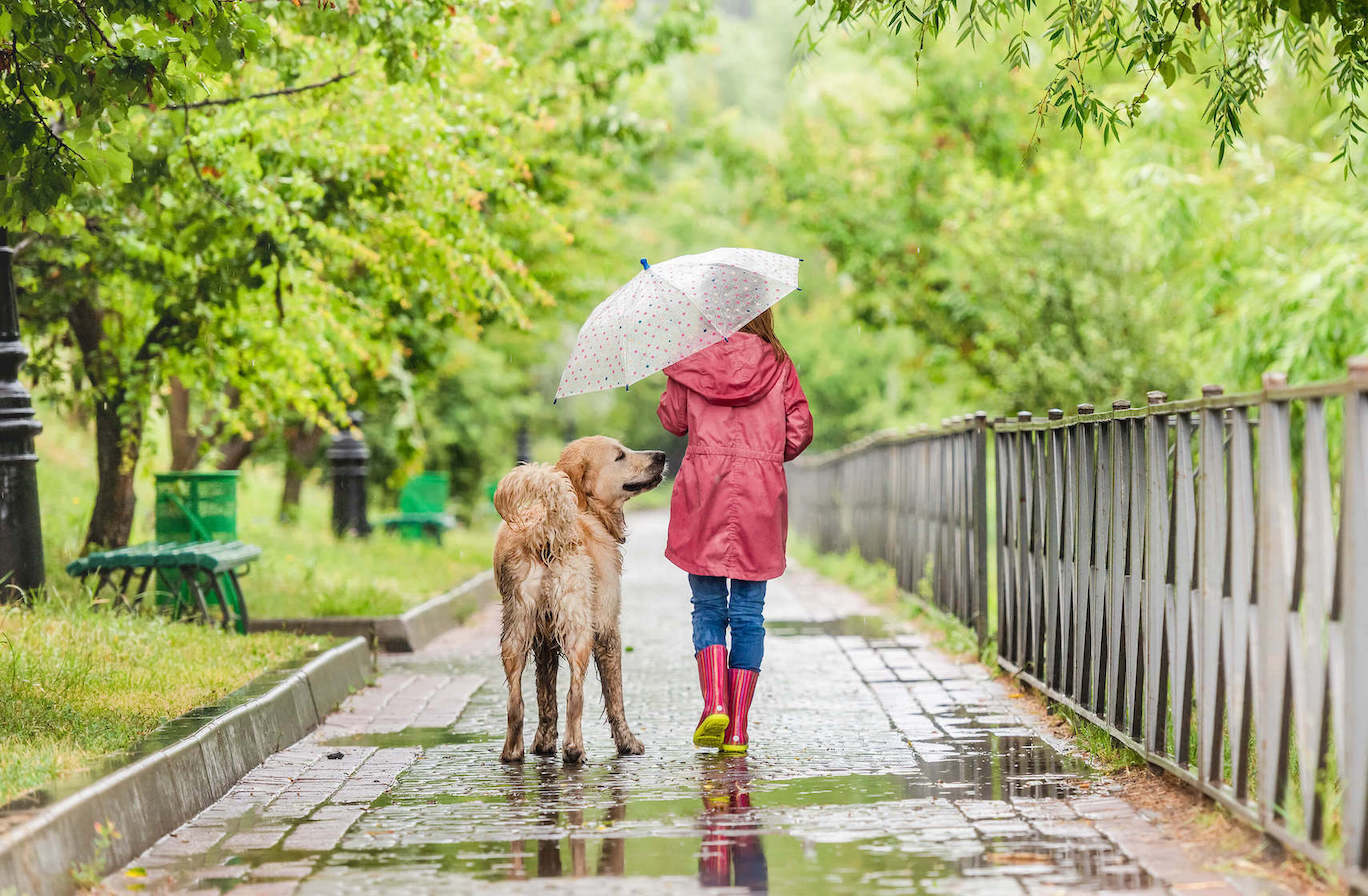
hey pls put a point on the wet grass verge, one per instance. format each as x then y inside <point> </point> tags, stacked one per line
<point>77,683</point>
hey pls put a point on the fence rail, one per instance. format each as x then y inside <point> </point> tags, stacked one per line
<point>1190,575</point>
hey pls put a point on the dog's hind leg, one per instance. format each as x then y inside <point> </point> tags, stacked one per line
<point>608,657</point>
<point>514,658</point>
<point>547,655</point>
<point>515,643</point>
<point>577,652</point>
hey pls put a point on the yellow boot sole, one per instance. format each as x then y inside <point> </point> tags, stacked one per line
<point>710,731</point>
<point>734,748</point>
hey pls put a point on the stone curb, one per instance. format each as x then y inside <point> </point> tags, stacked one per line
<point>158,793</point>
<point>397,634</point>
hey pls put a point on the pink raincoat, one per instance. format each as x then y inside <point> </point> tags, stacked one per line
<point>745,414</point>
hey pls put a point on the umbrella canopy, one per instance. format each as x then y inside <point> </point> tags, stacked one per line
<point>671,310</point>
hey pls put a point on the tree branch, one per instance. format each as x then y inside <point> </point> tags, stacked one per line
<point>285,91</point>
<point>62,145</point>
<point>85,13</point>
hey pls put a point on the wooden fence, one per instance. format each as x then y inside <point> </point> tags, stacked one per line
<point>914,499</point>
<point>1190,575</point>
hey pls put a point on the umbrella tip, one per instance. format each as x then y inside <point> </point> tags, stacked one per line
<point>645,265</point>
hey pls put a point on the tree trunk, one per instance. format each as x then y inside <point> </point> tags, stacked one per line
<point>118,442</point>
<point>234,451</point>
<point>118,433</point>
<point>185,445</point>
<point>302,441</point>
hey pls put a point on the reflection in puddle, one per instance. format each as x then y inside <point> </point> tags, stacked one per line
<point>732,852</point>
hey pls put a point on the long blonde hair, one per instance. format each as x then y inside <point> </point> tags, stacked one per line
<point>763,326</point>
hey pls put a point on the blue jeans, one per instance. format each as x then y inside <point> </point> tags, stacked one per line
<point>744,613</point>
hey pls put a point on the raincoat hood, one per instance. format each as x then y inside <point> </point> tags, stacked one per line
<point>737,372</point>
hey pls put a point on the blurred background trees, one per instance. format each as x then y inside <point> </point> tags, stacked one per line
<point>408,208</point>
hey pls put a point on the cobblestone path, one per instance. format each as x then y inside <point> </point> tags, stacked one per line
<point>877,765</point>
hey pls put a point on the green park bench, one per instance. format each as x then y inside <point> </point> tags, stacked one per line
<point>197,580</point>
<point>196,557</point>
<point>422,508</point>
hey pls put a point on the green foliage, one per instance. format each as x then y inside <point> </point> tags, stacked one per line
<point>284,253</point>
<point>74,71</point>
<point>946,273</point>
<point>1101,61</point>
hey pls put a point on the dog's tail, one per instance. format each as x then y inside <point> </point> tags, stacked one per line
<point>538,502</point>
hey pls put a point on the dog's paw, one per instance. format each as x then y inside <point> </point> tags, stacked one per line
<point>631,745</point>
<point>512,753</point>
<point>544,744</point>
<point>574,754</point>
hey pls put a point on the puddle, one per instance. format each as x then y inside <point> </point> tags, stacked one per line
<point>723,822</point>
<point>410,737</point>
<point>872,814</point>
<point>861,626</point>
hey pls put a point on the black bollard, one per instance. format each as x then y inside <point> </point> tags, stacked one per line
<point>21,526</point>
<point>524,446</point>
<point>347,456</point>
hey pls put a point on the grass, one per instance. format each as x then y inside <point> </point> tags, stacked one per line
<point>77,683</point>
<point>304,570</point>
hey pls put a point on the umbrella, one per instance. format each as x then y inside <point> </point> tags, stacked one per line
<point>671,310</point>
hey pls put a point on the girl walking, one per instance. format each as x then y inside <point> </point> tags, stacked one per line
<point>745,414</point>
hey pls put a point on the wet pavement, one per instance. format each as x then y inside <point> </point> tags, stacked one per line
<point>877,765</point>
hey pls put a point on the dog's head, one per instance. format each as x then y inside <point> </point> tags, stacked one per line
<point>606,474</point>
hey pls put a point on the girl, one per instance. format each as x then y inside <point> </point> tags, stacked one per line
<point>745,413</point>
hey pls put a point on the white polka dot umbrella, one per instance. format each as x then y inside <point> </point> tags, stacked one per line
<point>671,310</point>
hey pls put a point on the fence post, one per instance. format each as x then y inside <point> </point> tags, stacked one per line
<point>1052,672</point>
<point>1156,568</point>
<point>1121,647</point>
<point>979,484</point>
<point>1351,602</point>
<point>1275,553</point>
<point>1211,542</point>
<point>1094,525</point>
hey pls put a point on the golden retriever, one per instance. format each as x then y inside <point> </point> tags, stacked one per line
<point>558,565</point>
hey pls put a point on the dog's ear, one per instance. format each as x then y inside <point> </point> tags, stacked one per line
<point>574,463</point>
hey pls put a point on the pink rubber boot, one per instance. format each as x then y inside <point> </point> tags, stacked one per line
<point>712,680</point>
<point>741,687</point>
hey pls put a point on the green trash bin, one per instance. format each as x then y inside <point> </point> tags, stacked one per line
<point>196,507</point>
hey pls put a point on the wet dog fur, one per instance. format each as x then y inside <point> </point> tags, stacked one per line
<point>558,566</point>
